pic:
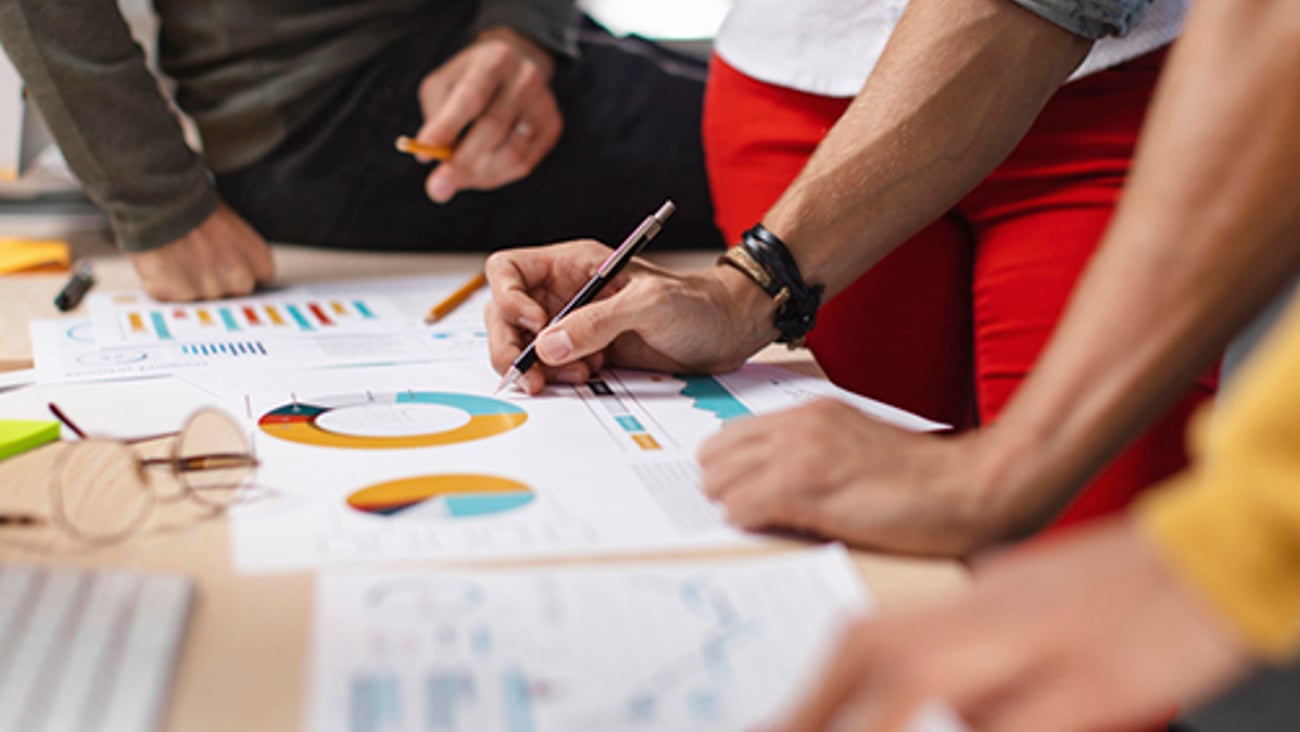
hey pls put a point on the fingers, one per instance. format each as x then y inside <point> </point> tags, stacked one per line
<point>764,473</point>
<point>514,277</point>
<point>222,257</point>
<point>590,329</point>
<point>493,104</point>
<point>456,93</point>
<point>505,142</point>
<point>836,685</point>
<point>521,281</point>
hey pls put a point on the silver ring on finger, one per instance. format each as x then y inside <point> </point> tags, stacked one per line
<point>525,130</point>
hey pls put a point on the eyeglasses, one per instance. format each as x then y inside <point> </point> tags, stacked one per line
<point>102,491</point>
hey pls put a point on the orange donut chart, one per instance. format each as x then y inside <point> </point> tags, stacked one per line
<point>298,422</point>
<point>457,496</point>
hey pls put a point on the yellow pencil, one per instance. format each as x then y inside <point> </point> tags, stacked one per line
<point>454,300</point>
<point>411,147</point>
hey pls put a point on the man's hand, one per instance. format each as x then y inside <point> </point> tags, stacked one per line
<point>498,88</point>
<point>647,317</point>
<point>829,469</point>
<point>222,257</point>
<point>1091,632</point>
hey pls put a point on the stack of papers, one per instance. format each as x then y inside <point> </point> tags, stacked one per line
<point>382,440</point>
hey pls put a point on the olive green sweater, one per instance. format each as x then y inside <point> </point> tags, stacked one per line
<point>249,72</point>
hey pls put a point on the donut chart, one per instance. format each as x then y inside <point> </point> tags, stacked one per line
<point>457,496</point>
<point>398,420</point>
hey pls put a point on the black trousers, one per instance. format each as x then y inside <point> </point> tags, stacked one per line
<point>631,139</point>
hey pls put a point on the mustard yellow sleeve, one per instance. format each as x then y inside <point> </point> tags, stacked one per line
<point>1231,525</point>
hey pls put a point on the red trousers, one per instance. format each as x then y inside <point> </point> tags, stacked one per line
<point>951,322</point>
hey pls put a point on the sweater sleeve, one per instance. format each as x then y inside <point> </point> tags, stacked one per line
<point>1093,19</point>
<point>88,78</point>
<point>1231,526</point>
<point>551,23</point>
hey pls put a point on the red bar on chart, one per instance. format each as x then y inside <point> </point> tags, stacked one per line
<point>251,316</point>
<point>319,313</point>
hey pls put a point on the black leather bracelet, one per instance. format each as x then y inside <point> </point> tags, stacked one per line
<point>796,313</point>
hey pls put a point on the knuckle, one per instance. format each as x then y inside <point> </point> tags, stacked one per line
<point>242,283</point>
<point>530,77</point>
<point>514,165</point>
<point>491,125</point>
<point>738,508</point>
<point>430,85</point>
<point>497,264</point>
<point>500,57</point>
<point>822,409</point>
<point>591,320</point>
<point>469,99</point>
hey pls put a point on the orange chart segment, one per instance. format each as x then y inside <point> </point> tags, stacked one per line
<point>307,422</point>
<point>463,495</point>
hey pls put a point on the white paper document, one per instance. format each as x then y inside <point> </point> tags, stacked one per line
<point>424,462</point>
<point>67,351</point>
<point>132,317</point>
<point>719,645</point>
<point>344,323</point>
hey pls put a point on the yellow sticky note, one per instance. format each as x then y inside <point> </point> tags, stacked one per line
<point>21,435</point>
<point>24,255</point>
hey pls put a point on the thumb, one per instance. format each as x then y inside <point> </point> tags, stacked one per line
<point>587,330</point>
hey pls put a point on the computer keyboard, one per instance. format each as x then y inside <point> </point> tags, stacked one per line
<point>88,649</point>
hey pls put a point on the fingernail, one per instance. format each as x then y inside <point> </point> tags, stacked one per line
<point>570,375</point>
<point>529,324</point>
<point>554,346</point>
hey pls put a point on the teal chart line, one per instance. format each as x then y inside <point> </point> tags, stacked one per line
<point>710,396</point>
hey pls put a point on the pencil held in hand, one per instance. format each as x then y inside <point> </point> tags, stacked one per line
<point>411,147</point>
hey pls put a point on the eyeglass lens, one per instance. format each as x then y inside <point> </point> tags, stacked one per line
<point>99,492</point>
<point>212,458</point>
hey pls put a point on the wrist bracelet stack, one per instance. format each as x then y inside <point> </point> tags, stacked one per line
<point>766,260</point>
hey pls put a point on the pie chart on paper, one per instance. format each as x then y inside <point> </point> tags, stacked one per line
<point>455,496</point>
<point>386,421</point>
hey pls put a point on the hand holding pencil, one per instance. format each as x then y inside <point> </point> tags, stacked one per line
<point>489,115</point>
<point>648,317</point>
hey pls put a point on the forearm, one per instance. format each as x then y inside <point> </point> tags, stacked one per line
<point>957,87</point>
<point>1204,236</point>
<point>552,24</point>
<point>88,78</point>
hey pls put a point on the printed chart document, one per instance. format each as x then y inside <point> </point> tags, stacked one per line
<point>334,324</point>
<point>68,351</point>
<point>720,645</point>
<point>424,462</point>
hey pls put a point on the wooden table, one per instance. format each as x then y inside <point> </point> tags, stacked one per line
<point>243,665</point>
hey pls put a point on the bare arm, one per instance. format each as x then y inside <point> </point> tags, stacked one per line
<point>1205,235</point>
<point>957,87</point>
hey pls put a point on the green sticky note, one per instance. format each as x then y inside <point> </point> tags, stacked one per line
<point>21,435</point>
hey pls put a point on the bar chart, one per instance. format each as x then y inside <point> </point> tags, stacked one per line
<point>190,322</point>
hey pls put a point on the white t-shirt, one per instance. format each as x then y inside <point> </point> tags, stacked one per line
<point>829,47</point>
